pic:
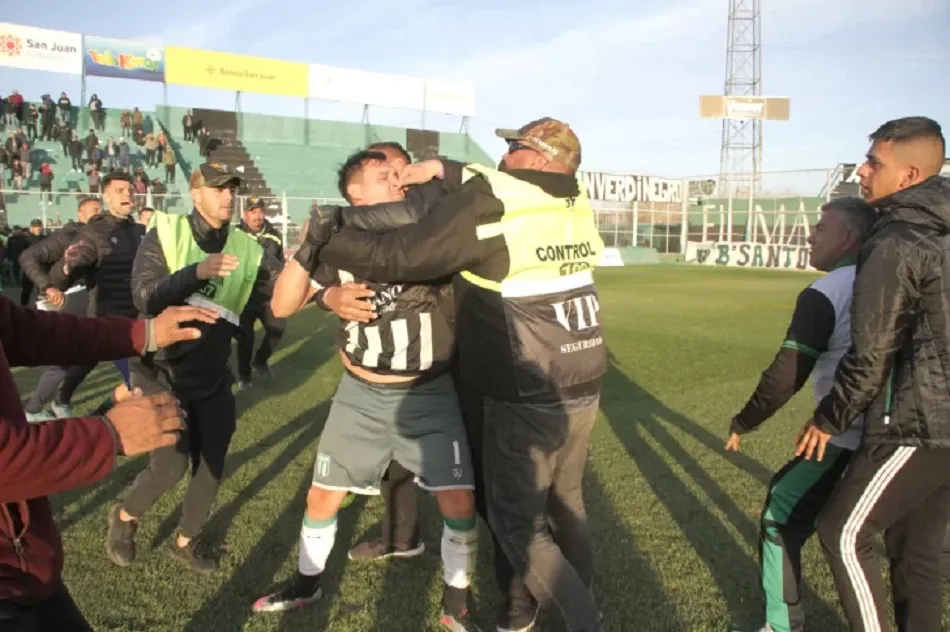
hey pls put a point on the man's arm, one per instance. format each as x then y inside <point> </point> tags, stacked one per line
<point>153,288</point>
<point>50,457</point>
<point>294,289</point>
<point>37,260</point>
<point>886,285</point>
<point>34,338</point>
<point>440,244</point>
<point>383,217</point>
<point>813,324</point>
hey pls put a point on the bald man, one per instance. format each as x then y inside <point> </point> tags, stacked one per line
<point>896,372</point>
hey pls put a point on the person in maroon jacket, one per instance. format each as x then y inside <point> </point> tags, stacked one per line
<point>53,456</point>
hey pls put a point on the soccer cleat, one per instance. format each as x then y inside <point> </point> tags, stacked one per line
<point>35,418</point>
<point>458,623</point>
<point>62,411</point>
<point>298,592</point>
<point>244,385</point>
<point>120,538</point>
<point>377,550</point>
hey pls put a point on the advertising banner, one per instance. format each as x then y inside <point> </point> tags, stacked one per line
<point>123,59</point>
<point>750,255</point>
<point>369,88</point>
<point>30,48</point>
<point>227,71</point>
<point>450,98</point>
<point>626,189</point>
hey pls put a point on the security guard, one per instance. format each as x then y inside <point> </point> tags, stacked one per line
<point>521,243</point>
<point>254,223</point>
<point>197,260</point>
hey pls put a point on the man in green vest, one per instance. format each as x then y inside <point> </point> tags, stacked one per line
<point>521,243</point>
<point>196,260</point>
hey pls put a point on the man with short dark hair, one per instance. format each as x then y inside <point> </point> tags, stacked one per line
<point>254,223</point>
<point>34,237</point>
<point>37,262</point>
<point>817,337</point>
<point>898,481</point>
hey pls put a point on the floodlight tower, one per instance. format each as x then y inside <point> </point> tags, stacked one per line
<point>740,159</point>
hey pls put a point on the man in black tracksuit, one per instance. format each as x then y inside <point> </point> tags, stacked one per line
<point>102,253</point>
<point>36,262</point>
<point>34,237</point>
<point>898,481</point>
<point>195,260</point>
<point>254,223</point>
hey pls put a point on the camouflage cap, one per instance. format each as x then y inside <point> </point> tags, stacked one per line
<point>213,174</point>
<point>254,202</point>
<point>550,137</point>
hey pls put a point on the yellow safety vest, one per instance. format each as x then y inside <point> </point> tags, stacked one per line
<point>229,294</point>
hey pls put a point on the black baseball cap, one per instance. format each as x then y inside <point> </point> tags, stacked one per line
<point>37,222</point>
<point>214,174</point>
<point>254,202</point>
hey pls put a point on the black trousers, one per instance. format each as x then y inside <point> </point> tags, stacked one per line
<point>273,332</point>
<point>26,290</point>
<point>59,613</point>
<point>211,422</point>
<point>400,518</point>
<point>529,460</point>
<point>905,492</point>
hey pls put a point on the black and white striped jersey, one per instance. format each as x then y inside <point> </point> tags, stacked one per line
<point>412,333</point>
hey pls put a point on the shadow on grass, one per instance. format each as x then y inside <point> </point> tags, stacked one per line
<point>735,573</point>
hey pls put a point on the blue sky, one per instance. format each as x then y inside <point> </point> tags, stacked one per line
<point>626,74</point>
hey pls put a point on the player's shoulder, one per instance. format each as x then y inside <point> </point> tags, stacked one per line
<point>836,280</point>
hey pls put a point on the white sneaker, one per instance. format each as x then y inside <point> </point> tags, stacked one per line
<point>61,411</point>
<point>35,418</point>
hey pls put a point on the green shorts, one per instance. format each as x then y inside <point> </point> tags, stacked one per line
<point>369,426</point>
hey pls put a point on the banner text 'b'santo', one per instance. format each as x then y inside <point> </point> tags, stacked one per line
<point>227,71</point>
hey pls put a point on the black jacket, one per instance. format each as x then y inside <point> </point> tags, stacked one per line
<point>107,264</point>
<point>898,367</point>
<point>192,369</point>
<point>37,260</point>
<point>269,239</point>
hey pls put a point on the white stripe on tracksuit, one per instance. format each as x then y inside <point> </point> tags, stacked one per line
<point>849,534</point>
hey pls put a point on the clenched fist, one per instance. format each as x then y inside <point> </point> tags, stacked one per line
<point>145,424</point>
<point>217,265</point>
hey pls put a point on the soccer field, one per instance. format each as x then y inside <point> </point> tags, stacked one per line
<point>674,518</point>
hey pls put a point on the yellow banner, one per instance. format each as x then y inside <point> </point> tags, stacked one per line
<point>227,71</point>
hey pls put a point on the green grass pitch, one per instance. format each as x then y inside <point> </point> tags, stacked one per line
<point>674,518</point>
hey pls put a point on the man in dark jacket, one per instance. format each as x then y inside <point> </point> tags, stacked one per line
<point>899,479</point>
<point>102,254</point>
<point>51,457</point>
<point>197,260</point>
<point>32,238</point>
<point>37,261</point>
<point>521,242</point>
<point>254,223</point>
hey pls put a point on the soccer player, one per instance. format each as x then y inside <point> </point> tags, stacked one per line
<point>818,336</point>
<point>898,481</point>
<point>396,401</point>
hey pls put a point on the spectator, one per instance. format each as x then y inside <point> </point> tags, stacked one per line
<point>162,140</point>
<point>65,136</point>
<point>32,117</point>
<point>95,178</point>
<point>169,160</point>
<point>75,154</point>
<point>186,126</point>
<point>158,194</point>
<point>50,457</point>
<point>64,107</point>
<point>151,147</point>
<point>96,113</point>
<point>125,120</point>
<point>47,118</point>
<point>112,153</point>
<point>17,172</point>
<point>138,119</point>
<point>46,183</point>
<point>26,159</point>
<point>139,191</point>
<point>125,156</point>
<point>9,111</point>
<point>91,141</point>
<point>11,145</point>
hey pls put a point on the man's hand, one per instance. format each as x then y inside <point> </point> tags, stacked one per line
<point>732,444</point>
<point>167,329</point>
<point>79,255</point>
<point>348,302</point>
<point>811,438</point>
<point>217,265</point>
<point>145,424</point>
<point>55,297</point>
<point>419,173</point>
